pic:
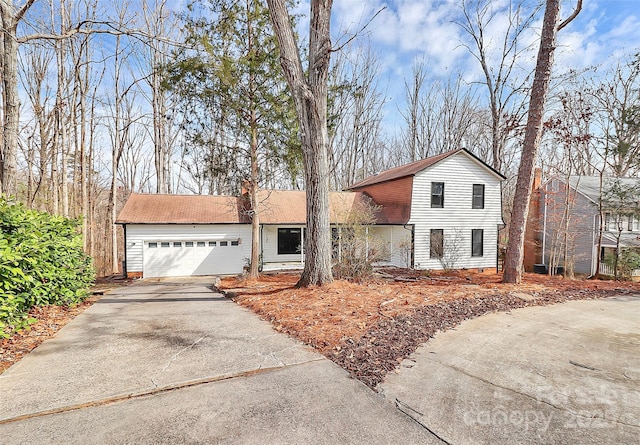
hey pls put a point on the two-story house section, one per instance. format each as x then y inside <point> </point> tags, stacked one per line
<point>441,212</point>
<point>567,225</point>
<point>452,202</point>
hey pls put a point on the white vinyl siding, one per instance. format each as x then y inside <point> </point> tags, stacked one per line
<point>138,234</point>
<point>270,246</point>
<point>457,218</point>
<point>397,240</point>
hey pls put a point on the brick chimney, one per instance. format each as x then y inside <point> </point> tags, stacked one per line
<point>537,178</point>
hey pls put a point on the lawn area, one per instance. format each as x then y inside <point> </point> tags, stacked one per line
<point>369,328</point>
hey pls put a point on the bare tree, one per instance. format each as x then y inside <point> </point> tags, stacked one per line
<point>506,84</point>
<point>515,248</point>
<point>618,116</point>
<point>309,90</point>
<point>355,115</point>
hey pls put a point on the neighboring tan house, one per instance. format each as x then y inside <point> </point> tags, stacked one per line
<point>439,212</point>
<point>565,223</point>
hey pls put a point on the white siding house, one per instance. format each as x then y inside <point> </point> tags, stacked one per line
<point>453,194</point>
<point>457,217</point>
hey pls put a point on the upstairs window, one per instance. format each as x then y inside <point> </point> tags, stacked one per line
<point>478,196</point>
<point>436,243</point>
<point>477,242</point>
<point>437,195</point>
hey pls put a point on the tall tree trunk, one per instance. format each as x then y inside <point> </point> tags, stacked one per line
<point>533,132</point>
<point>310,98</point>
<point>254,180</point>
<point>11,103</point>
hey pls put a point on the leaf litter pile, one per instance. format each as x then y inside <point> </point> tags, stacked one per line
<point>369,328</point>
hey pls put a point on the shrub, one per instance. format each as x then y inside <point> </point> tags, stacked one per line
<point>41,263</point>
<point>355,250</point>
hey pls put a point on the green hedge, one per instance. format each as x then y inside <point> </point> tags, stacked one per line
<point>41,262</point>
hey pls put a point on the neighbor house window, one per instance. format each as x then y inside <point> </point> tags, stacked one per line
<point>630,223</point>
<point>478,196</point>
<point>437,194</point>
<point>477,242</point>
<point>607,221</point>
<point>436,243</point>
<point>289,241</point>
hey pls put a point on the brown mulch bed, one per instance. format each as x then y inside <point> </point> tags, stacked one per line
<point>50,320</point>
<point>369,328</point>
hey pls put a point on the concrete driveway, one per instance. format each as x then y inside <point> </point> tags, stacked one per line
<point>173,362</point>
<point>562,374</point>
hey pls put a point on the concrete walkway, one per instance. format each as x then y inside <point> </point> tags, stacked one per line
<point>173,362</point>
<point>564,374</point>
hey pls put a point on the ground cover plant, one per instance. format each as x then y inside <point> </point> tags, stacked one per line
<point>369,328</point>
<point>42,263</point>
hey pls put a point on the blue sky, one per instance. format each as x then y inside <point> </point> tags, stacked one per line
<point>410,30</point>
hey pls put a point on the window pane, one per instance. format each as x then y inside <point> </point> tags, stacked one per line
<point>234,243</point>
<point>164,244</point>
<point>177,244</point>
<point>478,196</point>
<point>477,242</point>
<point>436,246</point>
<point>212,243</point>
<point>224,243</point>
<point>153,245</point>
<point>289,241</point>
<point>188,244</point>
<point>201,243</point>
<point>437,194</point>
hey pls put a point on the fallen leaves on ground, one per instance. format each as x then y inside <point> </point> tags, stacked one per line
<point>50,320</point>
<point>369,328</point>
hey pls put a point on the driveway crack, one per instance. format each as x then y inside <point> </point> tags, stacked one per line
<point>536,399</point>
<point>151,392</point>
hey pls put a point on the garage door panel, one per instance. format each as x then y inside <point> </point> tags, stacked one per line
<point>184,258</point>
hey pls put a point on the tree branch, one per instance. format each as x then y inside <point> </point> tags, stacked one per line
<point>573,15</point>
<point>359,31</point>
<point>22,11</point>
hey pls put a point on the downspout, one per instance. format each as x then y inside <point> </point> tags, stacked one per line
<point>302,245</point>
<point>544,227</point>
<point>126,247</point>
<point>261,259</point>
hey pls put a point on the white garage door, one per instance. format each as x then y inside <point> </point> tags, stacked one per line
<point>184,258</point>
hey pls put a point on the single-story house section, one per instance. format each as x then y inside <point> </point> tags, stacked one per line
<point>439,212</point>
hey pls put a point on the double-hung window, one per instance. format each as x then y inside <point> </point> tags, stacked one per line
<point>437,195</point>
<point>436,243</point>
<point>478,196</point>
<point>477,242</point>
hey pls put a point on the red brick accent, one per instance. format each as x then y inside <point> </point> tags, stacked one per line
<point>394,197</point>
<point>532,247</point>
<point>134,274</point>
